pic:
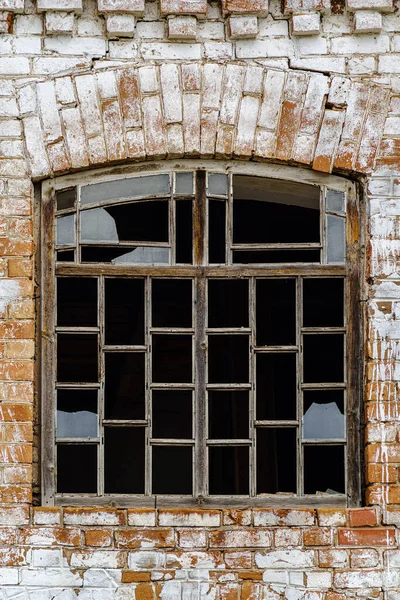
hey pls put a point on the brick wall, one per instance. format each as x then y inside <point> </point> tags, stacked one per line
<point>313,84</point>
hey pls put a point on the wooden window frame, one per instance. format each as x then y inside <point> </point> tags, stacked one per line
<point>353,271</point>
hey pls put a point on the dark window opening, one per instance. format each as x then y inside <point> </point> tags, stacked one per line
<point>201,339</point>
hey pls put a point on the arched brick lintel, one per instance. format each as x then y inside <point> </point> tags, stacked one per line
<point>173,110</point>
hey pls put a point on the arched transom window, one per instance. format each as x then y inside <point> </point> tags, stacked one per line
<point>199,332</point>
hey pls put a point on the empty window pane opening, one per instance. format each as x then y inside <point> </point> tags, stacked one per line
<point>178,371</point>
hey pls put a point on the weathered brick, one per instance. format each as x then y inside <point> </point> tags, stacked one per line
<point>151,538</point>
<point>364,537</point>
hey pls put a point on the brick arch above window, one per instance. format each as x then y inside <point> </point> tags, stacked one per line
<point>172,110</point>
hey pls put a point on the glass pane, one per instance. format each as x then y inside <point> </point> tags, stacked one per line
<point>335,201</point>
<point>135,187</point>
<point>276,460</point>
<point>317,477</point>
<point>172,358</point>
<point>77,301</point>
<point>172,469</point>
<point>218,184</point>
<point>77,358</point>
<point>124,385</point>
<point>65,230</point>
<point>172,414</point>
<point>65,198</point>
<point>77,413</point>
<point>184,183</point>
<point>216,231</point>
<point>172,303</point>
<point>336,252</point>
<point>276,386</point>
<point>228,470</point>
<point>118,255</point>
<point>323,414</point>
<point>77,469</point>
<point>276,312</point>
<point>228,358</point>
<point>323,358</point>
<point>124,459</point>
<point>246,257</point>
<point>65,255</point>
<point>228,303</point>
<point>184,232</point>
<point>228,415</point>
<point>124,311</point>
<point>135,222</point>
<point>323,302</point>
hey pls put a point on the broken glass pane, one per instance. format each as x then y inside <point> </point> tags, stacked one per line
<point>66,198</point>
<point>82,479</point>
<point>276,386</point>
<point>65,234</point>
<point>335,201</point>
<point>228,359</point>
<point>228,470</point>
<point>77,358</point>
<point>132,222</point>
<point>336,239</point>
<point>246,257</point>
<point>65,255</point>
<point>184,232</point>
<point>77,301</point>
<point>317,477</point>
<point>124,311</point>
<point>228,303</point>
<point>272,211</point>
<point>172,414</point>
<point>124,460</point>
<point>228,414</point>
<point>124,391</point>
<point>172,358</point>
<point>323,358</point>
<point>218,184</point>
<point>276,312</point>
<point>171,302</point>
<point>135,187</point>
<point>276,460</point>
<point>323,414</point>
<point>184,183</point>
<point>120,255</point>
<point>77,413</point>
<point>216,231</point>
<point>172,469</point>
<point>323,302</point>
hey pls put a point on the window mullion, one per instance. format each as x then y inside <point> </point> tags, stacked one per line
<point>200,351</point>
<point>200,219</point>
<point>101,323</point>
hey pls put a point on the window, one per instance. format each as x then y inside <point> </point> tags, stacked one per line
<point>203,328</point>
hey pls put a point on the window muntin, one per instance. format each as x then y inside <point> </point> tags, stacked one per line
<point>232,329</point>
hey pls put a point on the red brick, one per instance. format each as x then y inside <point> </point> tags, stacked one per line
<point>15,494</point>
<point>137,538</point>
<point>238,560</point>
<point>47,536</point>
<point>100,538</point>
<point>228,591</point>
<point>130,98</point>
<point>134,577</point>
<point>259,7</point>
<point>144,591</point>
<point>16,412</point>
<point>366,537</point>
<point>317,537</point>
<point>359,517</point>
